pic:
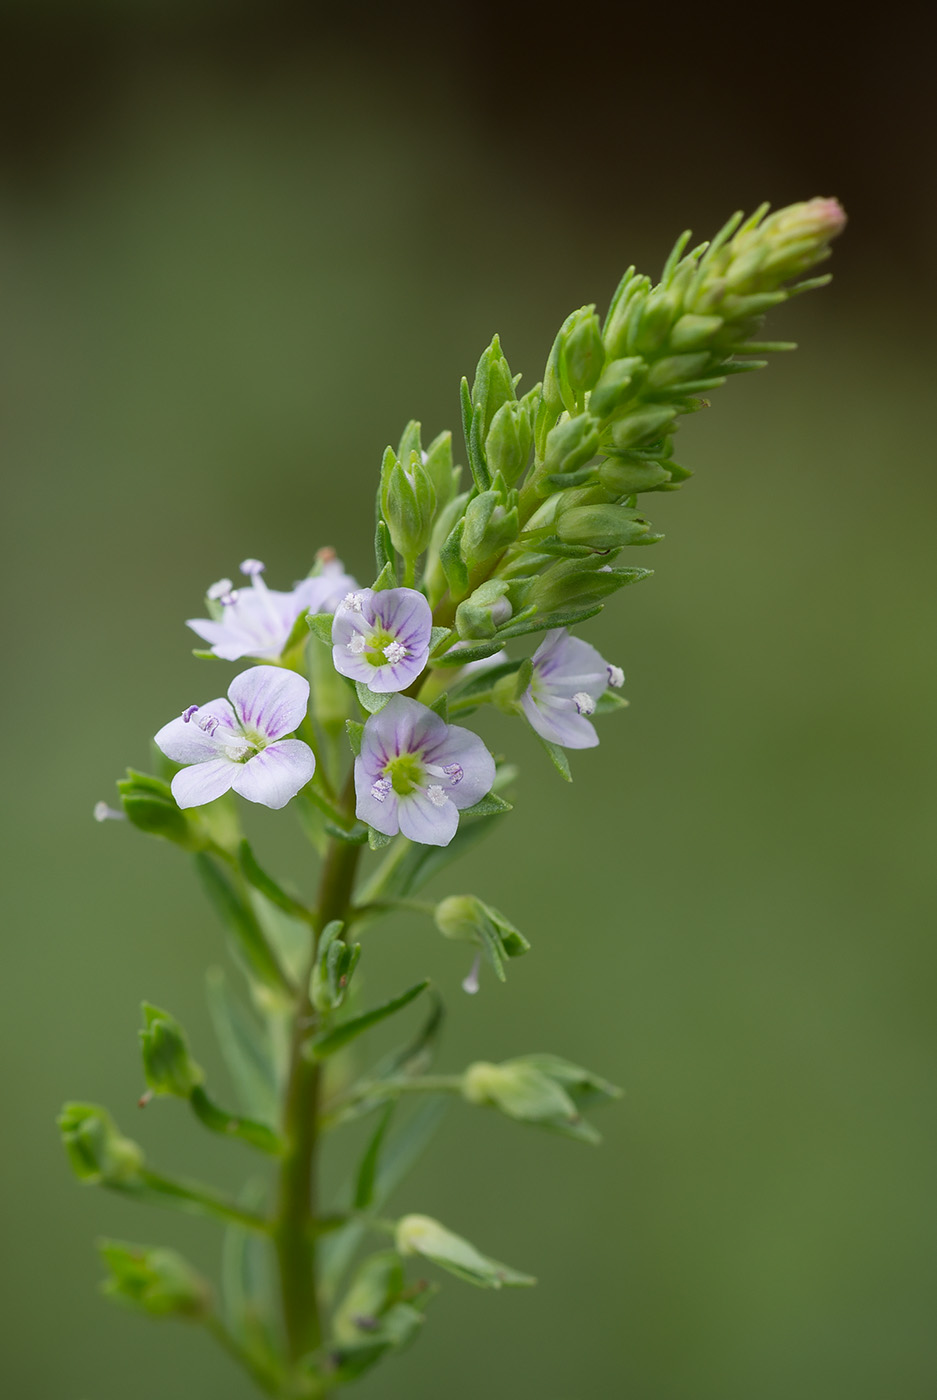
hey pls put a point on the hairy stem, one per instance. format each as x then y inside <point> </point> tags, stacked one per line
<point>294,1227</point>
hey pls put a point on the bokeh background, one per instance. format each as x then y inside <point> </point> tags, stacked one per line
<point>242,243</point>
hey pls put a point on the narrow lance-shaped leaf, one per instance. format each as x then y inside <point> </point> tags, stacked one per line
<point>327,1042</point>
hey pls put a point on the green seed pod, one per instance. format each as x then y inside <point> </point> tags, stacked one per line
<point>490,525</point>
<point>97,1152</point>
<point>484,612</point>
<point>154,1281</point>
<point>167,1064</point>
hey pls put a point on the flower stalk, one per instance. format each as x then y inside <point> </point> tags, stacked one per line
<point>347,712</point>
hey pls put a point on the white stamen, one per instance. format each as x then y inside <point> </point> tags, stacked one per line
<point>455,771</point>
<point>187,714</point>
<point>218,590</point>
<point>380,788</point>
<point>357,644</point>
<point>208,723</point>
<point>353,601</point>
<point>252,567</point>
<point>584,703</point>
<point>228,598</point>
<point>616,676</point>
<point>236,749</point>
<point>104,813</point>
<point>436,795</point>
<point>470,983</point>
<point>395,651</point>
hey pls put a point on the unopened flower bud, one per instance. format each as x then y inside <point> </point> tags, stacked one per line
<point>616,379</point>
<point>601,526</point>
<point>149,804</point>
<point>167,1064</point>
<point>419,1234</point>
<point>484,612</point>
<point>97,1152</point>
<point>467,919</point>
<point>154,1281</point>
<point>437,459</point>
<point>408,503</point>
<point>491,524</point>
<point>583,353</point>
<point>509,440</point>
<point>541,1089</point>
<point>570,444</point>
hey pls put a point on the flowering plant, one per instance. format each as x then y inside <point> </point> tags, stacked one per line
<point>352,711</point>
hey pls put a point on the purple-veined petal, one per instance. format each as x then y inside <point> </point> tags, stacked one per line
<point>185,741</point>
<point>423,820</point>
<point>381,814</point>
<point>465,753</point>
<point>561,725</point>
<point>269,700</point>
<point>401,614</point>
<point>203,782</point>
<point>276,774</point>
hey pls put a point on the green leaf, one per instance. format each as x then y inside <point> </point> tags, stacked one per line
<point>244,1048</point>
<point>266,885</point>
<point>419,1234</point>
<point>366,1178</point>
<point>335,965</point>
<point>369,699</point>
<point>320,625</point>
<point>247,1285</point>
<point>241,921</point>
<point>328,1042</point>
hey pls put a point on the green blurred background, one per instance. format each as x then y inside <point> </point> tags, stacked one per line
<point>242,243</point>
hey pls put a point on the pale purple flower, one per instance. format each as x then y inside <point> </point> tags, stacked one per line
<point>238,743</point>
<point>414,772</point>
<point>257,621</point>
<point>382,639</point>
<point>568,678</point>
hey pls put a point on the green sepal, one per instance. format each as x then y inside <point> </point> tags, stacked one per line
<point>545,623</point>
<point>369,699</point>
<point>387,578</point>
<point>440,707</point>
<point>205,655</point>
<point>539,1089</point>
<point>354,730</point>
<point>437,636</point>
<point>150,806</point>
<point>267,886</point>
<point>557,757</point>
<point>464,655</point>
<point>320,625</point>
<point>379,1314</point>
<point>467,919</point>
<point>452,563</point>
<point>610,701</point>
<point>239,918</point>
<point>328,1042</point>
<point>158,1282</point>
<point>354,836</point>
<point>383,548</point>
<point>491,805</point>
<point>377,840</point>
<point>419,1234</point>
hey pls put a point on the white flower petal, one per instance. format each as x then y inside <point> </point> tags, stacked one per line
<point>269,699</point>
<point>421,820</point>
<point>184,741</point>
<point>276,774</point>
<point>203,782</point>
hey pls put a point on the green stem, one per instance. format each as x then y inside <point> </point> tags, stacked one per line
<point>268,1382</point>
<point>296,1206</point>
<point>196,1200</point>
<point>233,1125</point>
